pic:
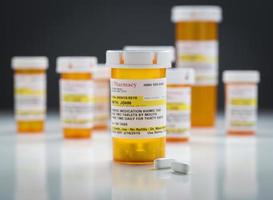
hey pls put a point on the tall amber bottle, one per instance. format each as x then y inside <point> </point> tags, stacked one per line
<point>197,48</point>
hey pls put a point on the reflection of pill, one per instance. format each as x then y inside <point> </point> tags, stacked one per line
<point>163,163</point>
<point>180,167</point>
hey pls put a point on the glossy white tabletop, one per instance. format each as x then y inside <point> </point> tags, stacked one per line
<point>47,167</point>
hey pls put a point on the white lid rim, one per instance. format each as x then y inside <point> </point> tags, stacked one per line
<point>131,66</point>
<point>196,13</point>
<point>76,64</point>
<point>241,76</point>
<point>180,76</point>
<point>29,62</point>
<point>138,59</point>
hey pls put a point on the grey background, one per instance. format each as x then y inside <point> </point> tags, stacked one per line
<point>90,27</point>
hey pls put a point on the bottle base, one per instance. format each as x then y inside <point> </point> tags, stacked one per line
<point>182,140</point>
<point>73,133</point>
<point>30,127</point>
<point>241,133</point>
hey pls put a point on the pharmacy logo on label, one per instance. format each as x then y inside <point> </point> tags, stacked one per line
<point>138,108</point>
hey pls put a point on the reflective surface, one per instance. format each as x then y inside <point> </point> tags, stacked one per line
<point>48,167</point>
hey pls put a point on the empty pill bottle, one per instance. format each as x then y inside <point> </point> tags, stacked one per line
<point>196,30</point>
<point>138,104</point>
<point>30,93</point>
<point>171,49</point>
<point>77,95</point>
<point>241,101</point>
<point>102,76</point>
<point>179,83</point>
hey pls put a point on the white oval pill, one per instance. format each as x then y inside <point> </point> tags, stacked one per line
<point>180,167</point>
<point>163,163</point>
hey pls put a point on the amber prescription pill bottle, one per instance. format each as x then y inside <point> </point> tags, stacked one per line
<point>179,83</point>
<point>197,48</point>
<point>102,76</point>
<point>138,104</point>
<point>30,93</point>
<point>76,95</point>
<point>241,93</point>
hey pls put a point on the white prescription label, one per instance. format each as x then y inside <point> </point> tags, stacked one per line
<point>77,103</point>
<point>30,96</point>
<point>178,112</point>
<point>102,103</point>
<point>241,107</point>
<point>138,108</point>
<point>202,56</point>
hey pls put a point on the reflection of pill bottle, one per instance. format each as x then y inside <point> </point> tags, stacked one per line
<point>197,48</point>
<point>138,104</point>
<point>76,95</point>
<point>30,93</point>
<point>241,93</point>
<point>179,82</point>
<point>102,76</point>
<point>154,48</point>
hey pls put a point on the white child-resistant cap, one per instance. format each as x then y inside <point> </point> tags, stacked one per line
<point>171,49</point>
<point>196,13</point>
<point>180,76</point>
<point>138,59</point>
<point>29,62</point>
<point>241,76</point>
<point>102,72</point>
<point>76,64</point>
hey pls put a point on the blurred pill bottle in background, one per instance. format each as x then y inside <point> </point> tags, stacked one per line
<point>170,49</point>
<point>241,101</point>
<point>77,95</point>
<point>179,83</point>
<point>102,76</point>
<point>30,93</point>
<point>138,104</point>
<point>196,30</point>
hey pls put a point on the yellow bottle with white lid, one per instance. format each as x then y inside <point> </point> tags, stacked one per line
<point>241,101</point>
<point>138,104</point>
<point>179,83</point>
<point>77,95</point>
<point>197,48</point>
<point>30,93</point>
<point>102,76</point>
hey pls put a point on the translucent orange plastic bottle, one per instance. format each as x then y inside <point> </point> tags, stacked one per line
<point>76,95</point>
<point>138,105</point>
<point>179,85</point>
<point>197,48</point>
<point>30,93</point>
<point>241,101</point>
<point>102,76</point>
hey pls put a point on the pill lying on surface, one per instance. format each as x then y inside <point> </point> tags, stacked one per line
<point>180,167</point>
<point>163,163</point>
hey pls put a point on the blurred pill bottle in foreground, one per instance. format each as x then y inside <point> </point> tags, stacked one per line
<point>197,48</point>
<point>30,93</point>
<point>241,101</point>
<point>77,95</point>
<point>102,76</point>
<point>179,83</point>
<point>138,104</point>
